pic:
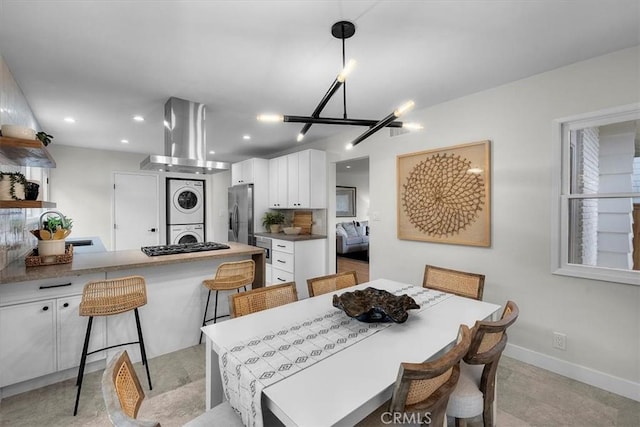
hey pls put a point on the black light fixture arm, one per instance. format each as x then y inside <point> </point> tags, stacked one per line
<point>375,128</point>
<point>341,30</point>
<point>340,121</point>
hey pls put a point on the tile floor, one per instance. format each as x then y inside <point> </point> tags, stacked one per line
<point>527,396</point>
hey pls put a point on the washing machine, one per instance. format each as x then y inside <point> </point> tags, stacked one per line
<point>185,233</point>
<point>185,201</point>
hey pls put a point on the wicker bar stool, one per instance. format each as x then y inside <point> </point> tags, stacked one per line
<point>229,276</point>
<point>106,298</point>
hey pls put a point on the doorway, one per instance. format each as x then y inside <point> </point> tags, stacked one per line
<point>136,210</point>
<point>354,174</point>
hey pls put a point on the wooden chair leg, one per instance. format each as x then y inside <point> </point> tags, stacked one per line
<point>461,422</point>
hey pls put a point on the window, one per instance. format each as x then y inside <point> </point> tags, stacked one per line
<point>597,196</point>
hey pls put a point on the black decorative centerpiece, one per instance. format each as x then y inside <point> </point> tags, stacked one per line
<point>375,305</point>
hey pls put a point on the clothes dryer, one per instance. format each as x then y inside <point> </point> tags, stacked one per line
<point>185,201</point>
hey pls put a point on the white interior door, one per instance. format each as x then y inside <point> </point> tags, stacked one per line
<point>136,208</point>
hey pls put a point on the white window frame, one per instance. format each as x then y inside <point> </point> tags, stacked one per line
<point>561,194</point>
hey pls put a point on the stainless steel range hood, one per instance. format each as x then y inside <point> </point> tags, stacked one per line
<point>184,141</point>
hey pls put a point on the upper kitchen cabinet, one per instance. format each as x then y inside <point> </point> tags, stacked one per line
<point>249,171</point>
<point>278,183</point>
<point>306,179</point>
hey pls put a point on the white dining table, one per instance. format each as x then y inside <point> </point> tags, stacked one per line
<point>344,388</point>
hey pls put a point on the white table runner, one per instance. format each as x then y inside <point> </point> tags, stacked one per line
<point>251,365</point>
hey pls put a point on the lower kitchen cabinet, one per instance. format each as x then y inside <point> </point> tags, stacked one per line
<point>298,261</point>
<point>27,341</point>
<point>41,331</point>
<point>71,330</point>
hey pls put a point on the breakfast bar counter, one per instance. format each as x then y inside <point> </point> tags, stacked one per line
<point>87,263</point>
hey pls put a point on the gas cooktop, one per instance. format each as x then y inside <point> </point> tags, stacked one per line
<point>184,248</point>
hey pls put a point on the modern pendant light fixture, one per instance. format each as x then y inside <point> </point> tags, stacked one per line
<point>343,30</point>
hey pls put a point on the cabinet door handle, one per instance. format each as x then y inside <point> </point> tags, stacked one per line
<point>282,280</point>
<point>55,286</point>
<point>281,261</point>
<point>281,246</point>
<point>45,308</point>
<point>65,305</point>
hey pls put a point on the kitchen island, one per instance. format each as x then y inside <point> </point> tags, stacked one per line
<point>41,332</point>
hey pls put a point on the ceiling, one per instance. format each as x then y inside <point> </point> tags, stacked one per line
<point>102,62</point>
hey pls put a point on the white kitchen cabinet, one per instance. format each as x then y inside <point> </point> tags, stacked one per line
<point>306,180</point>
<point>297,262</point>
<point>27,341</point>
<point>41,331</point>
<point>278,184</point>
<point>249,171</point>
<point>71,330</point>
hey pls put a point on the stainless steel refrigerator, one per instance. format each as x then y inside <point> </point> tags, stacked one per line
<point>241,214</point>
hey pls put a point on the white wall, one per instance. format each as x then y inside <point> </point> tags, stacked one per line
<point>601,319</point>
<point>81,186</point>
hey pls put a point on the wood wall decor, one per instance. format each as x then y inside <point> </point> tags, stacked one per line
<point>444,195</point>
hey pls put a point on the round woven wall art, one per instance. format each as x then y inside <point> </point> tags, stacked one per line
<point>442,195</point>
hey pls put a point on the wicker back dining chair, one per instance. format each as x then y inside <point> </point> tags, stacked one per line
<point>108,298</point>
<point>229,276</point>
<point>122,392</point>
<point>123,398</point>
<point>332,282</point>
<point>475,392</point>
<point>259,299</point>
<point>423,389</point>
<point>470,285</point>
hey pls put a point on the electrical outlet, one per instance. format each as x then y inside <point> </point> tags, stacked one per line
<point>559,341</point>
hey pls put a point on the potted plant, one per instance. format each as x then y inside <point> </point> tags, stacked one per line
<point>52,232</point>
<point>271,221</point>
<point>12,186</point>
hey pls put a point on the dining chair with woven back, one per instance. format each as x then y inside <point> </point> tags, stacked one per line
<point>123,397</point>
<point>476,389</point>
<point>259,299</point>
<point>332,282</point>
<point>470,285</point>
<point>422,390</point>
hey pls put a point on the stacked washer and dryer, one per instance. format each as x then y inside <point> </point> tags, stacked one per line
<point>185,211</point>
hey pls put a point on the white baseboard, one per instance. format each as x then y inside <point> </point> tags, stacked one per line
<point>580,373</point>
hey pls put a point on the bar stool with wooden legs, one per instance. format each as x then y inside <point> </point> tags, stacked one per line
<point>106,298</point>
<point>229,276</point>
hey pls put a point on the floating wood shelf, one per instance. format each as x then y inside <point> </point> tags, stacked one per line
<point>35,204</point>
<point>25,152</point>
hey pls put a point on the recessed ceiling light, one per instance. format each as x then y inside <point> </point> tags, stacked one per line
<point>349,146</point>
<point>212,152</point>
<point>138,118</point>
<point>348,167</point>
<point>246,137</point>
<point>124,141</point>
<point>69,120</point>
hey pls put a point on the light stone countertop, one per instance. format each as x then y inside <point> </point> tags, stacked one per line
<point>118,260</point>
<point>292,237</point>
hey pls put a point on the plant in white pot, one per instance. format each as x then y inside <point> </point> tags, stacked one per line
<point>272,221</point>
<point>52,232</point>
<point>12,186</point>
